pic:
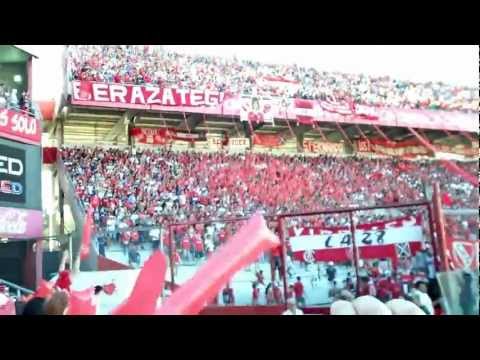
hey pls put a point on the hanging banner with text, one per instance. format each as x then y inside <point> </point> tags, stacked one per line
<point>322,147</point>
<point>163,136</point>
<point>215,143</point>
<point>238,144</point>
<point>268,140</point>
<point>20,126</point>
<point>336,242</point>
<point>410,148</point>
<point>258,109</point>
<point>20,223</point>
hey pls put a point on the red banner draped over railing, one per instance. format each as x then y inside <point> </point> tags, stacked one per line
<point>268,140</point>
<point>164,135</point>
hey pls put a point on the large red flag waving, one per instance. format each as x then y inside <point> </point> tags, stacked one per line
<point>82,302</point>
<point>147,288</point>
<point>241,250</point>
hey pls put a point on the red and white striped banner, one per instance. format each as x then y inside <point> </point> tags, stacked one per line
<point>374,240</point>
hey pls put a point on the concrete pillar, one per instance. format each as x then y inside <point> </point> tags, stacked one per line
<point>38,262</point>
<point>299,136</point>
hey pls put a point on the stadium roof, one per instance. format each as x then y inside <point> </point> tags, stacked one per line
<point>87,124</point>
<point>14,54</point>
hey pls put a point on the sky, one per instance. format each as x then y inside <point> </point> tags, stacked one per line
<point>452,64</point>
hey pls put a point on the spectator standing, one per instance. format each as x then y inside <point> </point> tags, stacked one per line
<point>349,285</point>
<point>154,234</point>
<point>255,294</point>
<point>13,101</point>
<point>228,296</point>
<point>467,298</point>
<point>420,296</point>
<point>260,277</point>
<point>269,296</point>
<point>277,293</point>
<point>133,255</point>
<point>186,248</point>
<point>331,273</point>
<point>199,248</point>
<point>299,292</point>
<point>102,243</point>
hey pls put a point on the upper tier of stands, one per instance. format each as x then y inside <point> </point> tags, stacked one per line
<point>151,65</point>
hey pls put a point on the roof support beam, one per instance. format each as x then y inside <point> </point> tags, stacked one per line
<point>362,134</point>
<point>382,134</point>
<point>120,127</point>
<point>344,134</point>
<point>190,122</point>
<point>448,163</point>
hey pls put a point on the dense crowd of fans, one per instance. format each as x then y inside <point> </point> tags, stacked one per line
<point>153,187</point>
<point>153,65</point>
<point>9,99</point>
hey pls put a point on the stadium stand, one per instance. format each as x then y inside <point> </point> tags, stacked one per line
<point>151,186</point>
<point>151,65</point>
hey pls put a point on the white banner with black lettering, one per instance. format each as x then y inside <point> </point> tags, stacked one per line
<point>363,238</point>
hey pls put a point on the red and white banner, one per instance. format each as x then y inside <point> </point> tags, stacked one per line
<point>462,252</point>
<point>238,144</point>
<point>20,126</point>
<point>144,95</point>
<point>163,136</point>
<point>342,107</point>
<point>267,140</point>
<point>304,110</point>
<point>313,146</point>
<point>20,223</point>
<point>211,102</point>
<point>374,240</point>
<point>215,143</point>
<point>280,83</point>
<point>409,148</point>
<point>256,110</point>
<point>464,255</point>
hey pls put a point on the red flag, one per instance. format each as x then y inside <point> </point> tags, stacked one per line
<point>49,155</point>
<point>447,200</point>
<point>87,234</point>
<point>82,302</point>
<point>268,140</point>
<point>241,250</point>
<point>147,288</point>
<point>109,289</point>
<point>44,290</point>
<point>304,111</point>
<point>64,281</point>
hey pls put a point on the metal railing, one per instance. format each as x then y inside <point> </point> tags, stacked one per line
<point>19,289</point>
